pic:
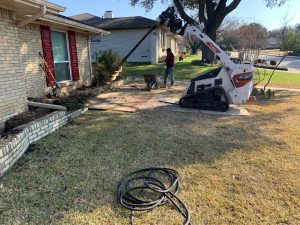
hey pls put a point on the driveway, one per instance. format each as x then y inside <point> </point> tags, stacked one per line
<point>290,62</point>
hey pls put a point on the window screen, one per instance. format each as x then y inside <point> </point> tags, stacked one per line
<point>61,56</point>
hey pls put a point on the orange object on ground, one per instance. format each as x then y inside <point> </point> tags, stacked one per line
<point>252,99</point>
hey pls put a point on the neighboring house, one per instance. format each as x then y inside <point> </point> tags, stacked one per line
<point>126,33</point>
<point>273,43</point>
<point>28,27</point>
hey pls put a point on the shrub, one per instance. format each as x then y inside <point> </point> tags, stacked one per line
<point>273,63</point>
<point>72,102</point>
<point>108,60</point>
<point>107,63</point>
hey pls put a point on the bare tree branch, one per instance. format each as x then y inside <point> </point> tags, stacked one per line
<point>201,12</point>
<point>182,13</point>
<point>210,8</point>
<point>232,6</point>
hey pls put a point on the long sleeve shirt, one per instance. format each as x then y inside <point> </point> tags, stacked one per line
<point>170,60</point>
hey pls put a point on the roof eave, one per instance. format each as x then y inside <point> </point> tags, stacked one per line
<point>51,7</point>
<point>69,23</point>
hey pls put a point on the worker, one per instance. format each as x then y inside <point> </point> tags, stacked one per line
<point>170,63</point>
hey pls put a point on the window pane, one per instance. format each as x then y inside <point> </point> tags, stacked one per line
<point>59,45</point>
<point>62,71</point>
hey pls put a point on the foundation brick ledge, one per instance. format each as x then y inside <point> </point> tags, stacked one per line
<point>14,147</point>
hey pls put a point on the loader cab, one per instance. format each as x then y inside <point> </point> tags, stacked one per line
<point>205,80</point>
<point>208,75</point>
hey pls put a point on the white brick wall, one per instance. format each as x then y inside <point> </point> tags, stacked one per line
<point>83,57</point>
<point>12,85</point>
<point>30,46</point>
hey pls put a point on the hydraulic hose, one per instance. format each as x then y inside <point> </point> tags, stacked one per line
<point>149,188</point>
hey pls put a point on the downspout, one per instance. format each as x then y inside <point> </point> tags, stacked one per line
<point>34,17</point>
<point>90,56</point>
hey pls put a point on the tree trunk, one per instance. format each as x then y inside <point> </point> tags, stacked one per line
<point>195,47</point>
<point>194,50</point>
<point>208,55</point>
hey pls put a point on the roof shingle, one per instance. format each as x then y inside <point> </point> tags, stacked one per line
<point>115,23</point>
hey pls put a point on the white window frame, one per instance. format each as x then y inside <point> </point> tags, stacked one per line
<point>68,49</point>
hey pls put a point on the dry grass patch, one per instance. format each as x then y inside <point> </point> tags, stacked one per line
<point>234,170</point>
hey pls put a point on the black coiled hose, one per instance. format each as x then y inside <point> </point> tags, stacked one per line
<point>148,188</point>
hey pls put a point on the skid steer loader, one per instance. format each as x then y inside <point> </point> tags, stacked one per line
<point>231,83</point>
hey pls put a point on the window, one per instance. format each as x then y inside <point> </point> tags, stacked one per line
<point>61,56</point>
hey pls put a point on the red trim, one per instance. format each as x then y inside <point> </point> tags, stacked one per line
<point>48,53</point>
<point>73,55</point>
<point>213,47</point>
<point>242,79</point>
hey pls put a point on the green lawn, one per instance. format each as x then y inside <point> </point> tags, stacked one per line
<point>184,70</point>
<point>280,79</point>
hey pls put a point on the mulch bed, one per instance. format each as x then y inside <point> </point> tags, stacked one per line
<point>24,118</point>
<point>74,101</point>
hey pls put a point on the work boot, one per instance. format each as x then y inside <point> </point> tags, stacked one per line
<point>164,86</point>
<point>172,85</point>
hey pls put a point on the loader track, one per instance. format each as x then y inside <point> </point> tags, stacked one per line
<point>213,99</point>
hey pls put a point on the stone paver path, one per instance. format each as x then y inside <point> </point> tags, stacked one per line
<point>133,100</point>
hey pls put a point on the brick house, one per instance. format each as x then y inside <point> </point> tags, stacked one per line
<point>28,27</point>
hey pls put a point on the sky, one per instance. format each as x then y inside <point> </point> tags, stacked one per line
<point>247,11</point>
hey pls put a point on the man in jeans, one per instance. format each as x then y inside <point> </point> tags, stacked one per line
<point>170,62</point>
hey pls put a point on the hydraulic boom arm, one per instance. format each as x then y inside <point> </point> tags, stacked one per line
<point>198,32</point>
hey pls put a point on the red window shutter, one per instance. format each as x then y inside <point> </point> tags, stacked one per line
<point>48,53</point>
<point>73,55</point>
